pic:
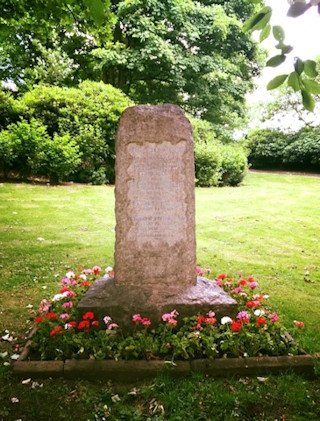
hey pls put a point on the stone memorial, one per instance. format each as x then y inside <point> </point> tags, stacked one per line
<point>155,248</point>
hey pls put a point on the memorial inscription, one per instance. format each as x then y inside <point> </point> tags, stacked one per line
<point>155,206</point>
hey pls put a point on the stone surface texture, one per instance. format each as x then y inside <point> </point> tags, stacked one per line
<point>155,198</point>
<point>155,249</point>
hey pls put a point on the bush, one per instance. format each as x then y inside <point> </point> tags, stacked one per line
<point>89,115</point>
<point>304,151</point>
<point>27,150</point>
<point>56,158</point>
<point>9,109</point>
<point>266,148</point>
<point>233,166</point>
<point>19,146</point>
<point>207,164</point>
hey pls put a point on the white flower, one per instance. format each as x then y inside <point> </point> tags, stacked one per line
<point>225,320</point>
<point>259,312</point>
<point>70,274</point>
<point>83,276</point>
<point>109,269</point>
<point>59,297</point>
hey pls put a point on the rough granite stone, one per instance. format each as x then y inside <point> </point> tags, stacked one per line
<point>155,198</point>
<point>155,248</point>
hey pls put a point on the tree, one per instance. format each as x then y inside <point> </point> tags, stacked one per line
<point>304,72</point>
<point>192,53</point>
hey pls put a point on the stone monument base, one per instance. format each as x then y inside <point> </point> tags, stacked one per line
<point>106,298</point>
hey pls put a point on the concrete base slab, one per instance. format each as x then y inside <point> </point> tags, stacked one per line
<point>106,298</point>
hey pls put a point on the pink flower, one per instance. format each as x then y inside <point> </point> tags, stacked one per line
<point>65,281</point>
<point>199,271</point>
<point>167,316</point>
<point>95,323</point>
<point>237,290</point>
<point>172,322</point>
<point>211,313</point>
<point>145,322</point>
<point>64,316</point>
<point>67,304</point>
<point>243,315</point>
<point>107,319</point>
<point>136,318</point>
<point>112,326</point>
<point>44,306</point>
<point>253,285</point>
<point>219,282</point>
<point>274,317</point>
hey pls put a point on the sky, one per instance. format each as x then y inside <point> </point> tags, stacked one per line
<point>302,33</point>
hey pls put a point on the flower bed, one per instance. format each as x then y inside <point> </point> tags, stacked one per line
<point>255,332</point>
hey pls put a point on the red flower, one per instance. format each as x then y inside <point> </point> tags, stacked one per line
<point>39,319</point>
<point>51,315</point>
<point>252,304</point>
<point>242,282</point>
<point>65,289</point>
<point>56,330</point>
<point>85,284</point>
<point>89,315</point>
<point>261,321</point>
<point>235,326</point>
<point>84,324</point>
<point>222,276</point>
<point>298,323</point>
<point>95,323</point>
<point>96,270</point>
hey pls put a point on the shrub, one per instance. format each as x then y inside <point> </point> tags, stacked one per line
<point>207,164</point>
<point>233,166</point>
<point>304,150</point>
<point>9,109</point>
<point>89,115</point>
<point>266,148</point>
<point>19,146</point>
<point>56,158</point>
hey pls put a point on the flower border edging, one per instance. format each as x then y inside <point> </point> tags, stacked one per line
<point>127,371</point>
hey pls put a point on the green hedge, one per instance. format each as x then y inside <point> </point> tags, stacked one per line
<point>271,149</point>
<point>89,115</point>
<point>216,163</point>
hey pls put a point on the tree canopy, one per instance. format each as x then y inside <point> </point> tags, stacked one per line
<point>192,53</point>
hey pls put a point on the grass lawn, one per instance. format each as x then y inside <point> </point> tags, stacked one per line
<point>269,228</point>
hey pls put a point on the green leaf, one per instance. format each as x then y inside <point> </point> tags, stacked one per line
<point>96,8</point>
<point>311,86</point>
<point>307,100</point>
<point>310,68</point>
<point>278,33</point>
<point>259,20</point>
<point>276,82</point>
<point>276,60</point>
<point>298,65</point>
<point>298,9</point>
<point>294,81</point>
<point>265,32</point>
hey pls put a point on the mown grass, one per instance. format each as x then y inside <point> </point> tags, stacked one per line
<point>269,228</point>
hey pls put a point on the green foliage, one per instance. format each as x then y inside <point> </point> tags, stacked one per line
<point>303,152</point>
<point>20,143</point>
<point>9,110</point>
<point>89,115</point>
<point>207,164</point>
<point>27,150</point>
<point>233,166</point>
<point>56,158</point>
<point>266,148</point>
<point>274,149</point>
<point>216,163</point>
<point>308,87</point>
